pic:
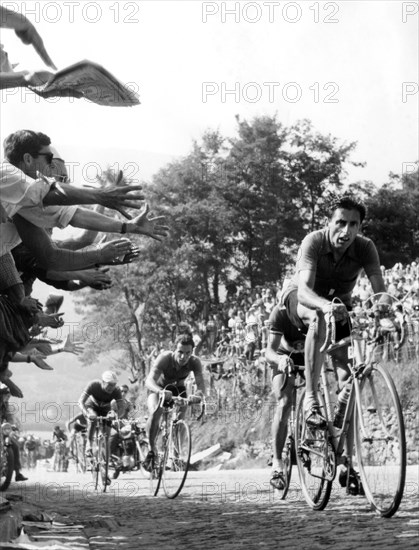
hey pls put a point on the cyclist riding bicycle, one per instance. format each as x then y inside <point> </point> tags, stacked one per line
<point>77,424</point>
<point>284,350</point>
<point>328,264</point>
<point>169,374</point>
<point>95,401</point>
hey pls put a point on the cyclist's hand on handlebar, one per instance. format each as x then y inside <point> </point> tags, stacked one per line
<point>194,399</point>
<point>91,416</point>
<point>338,310</point>
<point>167,395</point>
<point>381,308</point>
<point>286,365</point>
<point>111,415</point>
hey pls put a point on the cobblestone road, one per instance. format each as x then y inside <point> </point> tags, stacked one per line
<point>222,510</point>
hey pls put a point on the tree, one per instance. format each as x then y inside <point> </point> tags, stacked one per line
<point>393,223</point>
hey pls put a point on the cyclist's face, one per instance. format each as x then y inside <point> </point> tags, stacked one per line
<point>108,387</point>
<point>182,354</point>
<point>343,228</point>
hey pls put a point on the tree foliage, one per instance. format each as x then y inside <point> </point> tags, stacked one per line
<point>237,210</point>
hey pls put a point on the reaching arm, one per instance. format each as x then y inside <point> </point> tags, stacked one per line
<point>52,257</point>
<point>26,32</point>
<point>117,198</point>
<point>141,225</point>
<point>21,79</point>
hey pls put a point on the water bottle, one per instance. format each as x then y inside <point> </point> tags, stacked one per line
<point>341,405</point>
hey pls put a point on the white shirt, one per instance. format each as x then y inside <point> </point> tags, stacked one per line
<point>20,193</point>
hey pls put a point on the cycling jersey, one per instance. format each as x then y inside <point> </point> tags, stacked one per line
<point>335,279</point>
<point>98,397</point>
<point>166,371</point>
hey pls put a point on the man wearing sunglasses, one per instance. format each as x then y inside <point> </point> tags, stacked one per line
<point>25,182</point>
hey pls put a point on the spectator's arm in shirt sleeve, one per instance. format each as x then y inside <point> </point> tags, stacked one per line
<point>51,256</point>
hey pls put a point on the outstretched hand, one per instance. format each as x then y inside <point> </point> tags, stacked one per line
<point>115,252</point>
<point>73,347</point>
<point>39,361</point>
<point>52,320</point>
<point>152,227</point>
<point>119,197</point>
<point>37,78</point>
<point>96,278</point>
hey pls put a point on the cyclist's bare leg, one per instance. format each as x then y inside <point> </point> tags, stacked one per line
<point>313,357</point>
<point>340,359</point>
<point>153,422</point>
<point>91,425</point>
<point>280,420</point>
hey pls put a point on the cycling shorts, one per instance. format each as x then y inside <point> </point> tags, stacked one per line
<point>291,303</point>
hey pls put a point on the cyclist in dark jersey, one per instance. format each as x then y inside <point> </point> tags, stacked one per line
<point>285,347</point>
<point>95,401</point>
<point>169,374</point>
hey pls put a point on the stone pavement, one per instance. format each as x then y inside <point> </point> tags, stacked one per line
<point>216,510</point>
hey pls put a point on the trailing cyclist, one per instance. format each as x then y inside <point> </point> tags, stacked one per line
<point>95,401</point>
<point>284,350</point>
<point>169,374</point>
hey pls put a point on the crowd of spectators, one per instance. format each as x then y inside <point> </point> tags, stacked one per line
<point>232,341</point>
<point>36,197</point>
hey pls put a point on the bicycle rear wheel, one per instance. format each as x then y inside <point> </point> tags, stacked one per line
<point>176,460</point>
<point>287,461</point>
<point>380,441</point>
<point>316,461</point>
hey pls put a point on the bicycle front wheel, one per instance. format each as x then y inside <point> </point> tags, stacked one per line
<point>103,454</point>
<point>157,466</point>
<point>176,460</point>
<point>380,441</point>
<point>81,450</point>
<point>6,466</point>
<point>316,460</point>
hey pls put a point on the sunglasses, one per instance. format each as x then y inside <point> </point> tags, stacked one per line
<point>124,391</point>
<point>60,179</point>
<point>48,156</point>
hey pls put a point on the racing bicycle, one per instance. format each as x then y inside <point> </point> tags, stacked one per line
<point>374,414</point>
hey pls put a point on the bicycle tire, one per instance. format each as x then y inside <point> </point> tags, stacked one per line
<point>157,467</point>
<point>73,452</point>
<point>287,460</point>
<point>94,461</point>
<point>381,448</point>
<point>103,462</point>
<point>314,454</point>
<point>6,467</point>
<point>177,458</point>
<point>81,454</point>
